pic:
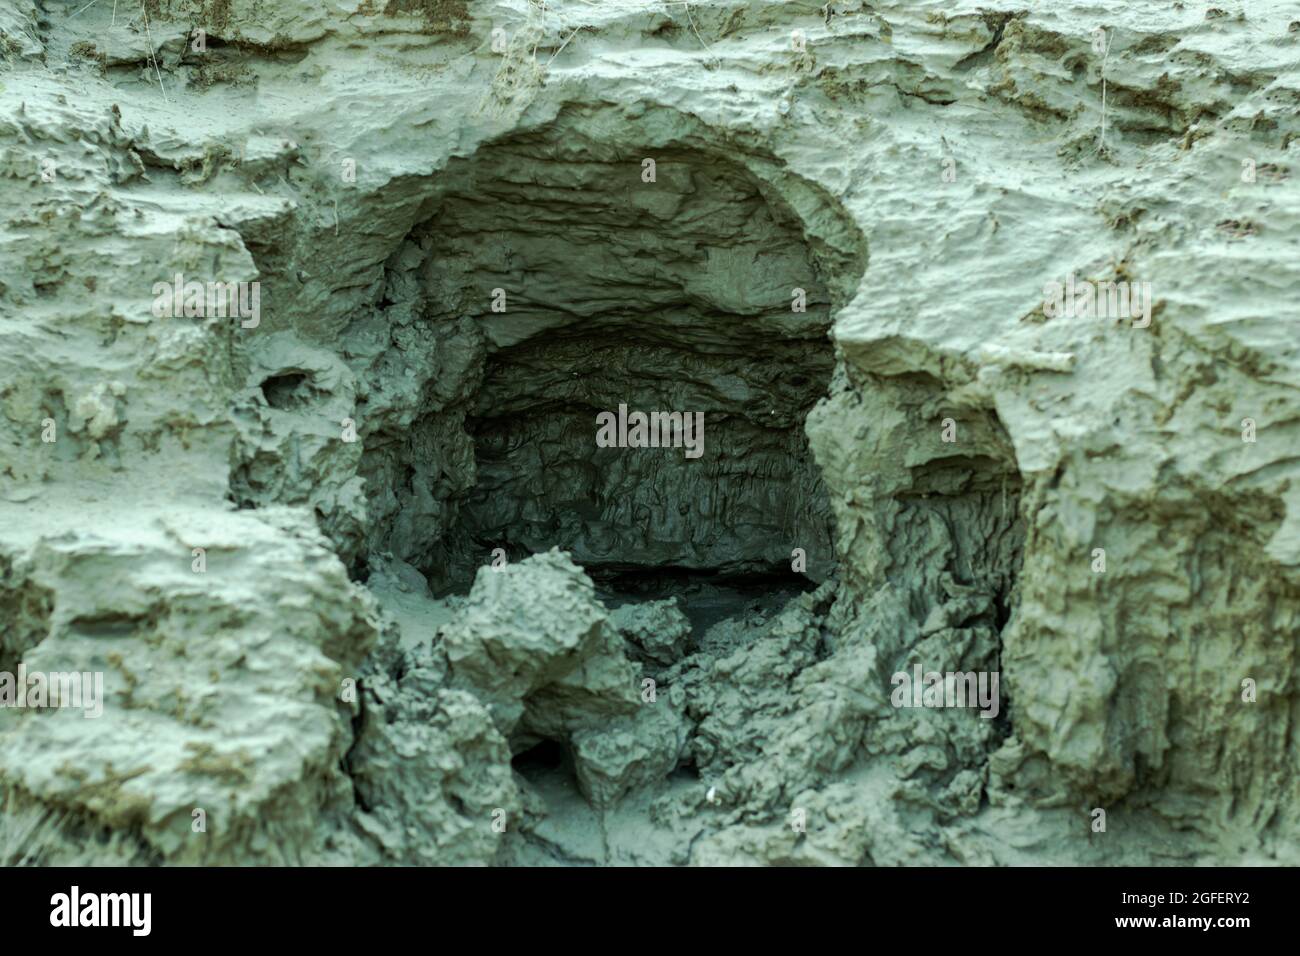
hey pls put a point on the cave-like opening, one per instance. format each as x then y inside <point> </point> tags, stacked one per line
<point>560,284</point>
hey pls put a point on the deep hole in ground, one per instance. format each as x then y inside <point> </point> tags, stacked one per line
<point>559,285</point>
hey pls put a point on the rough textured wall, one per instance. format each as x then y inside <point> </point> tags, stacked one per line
<point>265,533</point>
